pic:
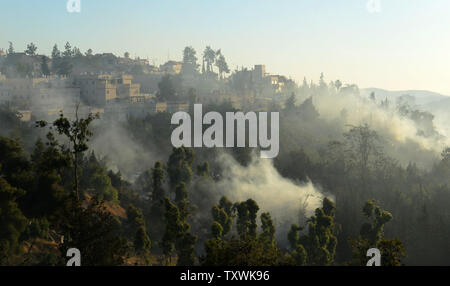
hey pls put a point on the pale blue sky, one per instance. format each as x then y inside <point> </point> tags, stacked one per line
<point>404,46</point>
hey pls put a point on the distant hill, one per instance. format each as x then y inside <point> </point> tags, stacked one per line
<point>442,105</point>
<point>423,97</point>
<point>437,104</point>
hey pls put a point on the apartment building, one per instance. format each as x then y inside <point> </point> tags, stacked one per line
<point>171,67</point>
<point>96,90</point>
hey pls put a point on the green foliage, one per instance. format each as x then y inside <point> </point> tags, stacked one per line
<point>96,180</point>
<point>223,214</point>
<point>37,228</point>
<point>95,232</point>
<point>371,236</point>
<point>177,236</point>
<point>157,182</point>
<point>67,50</point>
<point>373,231</point>
<point>392,250</point>
<point>295,165</point>
<point>47,195</point>
<point>135,219</point>
<point>203,170</point>
<point>169,88</point>
<point>181,199</point>
<point>221,63</point>
<point>142,243</point>
<point>242,155</point>
<point>293,235</point>
<point>56,59</point>
<point>268,229</point>
<point>290,103</point>
<point>45,70</point>
<point>135,228</point>
<point>24,69</point>
<point>157,208</point>
<point>78,133</point>
<point>190,65</point>
<point>11,48</point>
<point>15,168</point>
<point>185,247</point>
<point>31,49</point>
<point>363,150</point>
<point>318,247</point>
<point>179,166</point>
<point>246,218</point>
<point>12,221</point>
<point>177,229</point>
<point>216,230</point>
<point>10,124</point>
<point>209,57</point>
<point>241,252</point>
<point>173,228</point>
<point>249,249</point>
<point>300,255</point>
<point>143,183</point>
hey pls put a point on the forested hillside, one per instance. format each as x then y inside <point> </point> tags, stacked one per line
<point>353,172</point>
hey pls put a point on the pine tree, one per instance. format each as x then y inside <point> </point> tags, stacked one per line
<point>293,235</point>
<point>371,236</point>
<point>158,193</point>
<point>78,133</point>
<point>56,59</point>
<point>12,221</point>
<point>142,244</point>
<point>48,195</point>
<point>181,199</point>
<point>190,66</point>
<point>223,215</point>
<point>135,219</point>
<point>246,218</point>
<point>179,166</point>
<point>173,229</point>
<point>268,229</point>
<point>216,230</point>
<point>11,48</point>
<point>65,63</point>
<point>318,247</point>
<point>185,247</point>
<point>45,70</point>
<point>157,208</point>
<point>31,49</point>
<point>95,232</point>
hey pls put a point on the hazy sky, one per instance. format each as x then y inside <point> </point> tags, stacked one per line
<point>406,45</point>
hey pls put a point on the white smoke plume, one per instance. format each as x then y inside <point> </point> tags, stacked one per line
<point>122,152</point>
<point>401,132</point>
<point>287,202</point>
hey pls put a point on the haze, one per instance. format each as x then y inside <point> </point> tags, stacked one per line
<point>402,47</point>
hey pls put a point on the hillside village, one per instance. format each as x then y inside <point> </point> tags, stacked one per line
<point>40,86</point>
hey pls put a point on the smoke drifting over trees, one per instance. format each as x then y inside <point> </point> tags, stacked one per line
<point>353,164</point>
